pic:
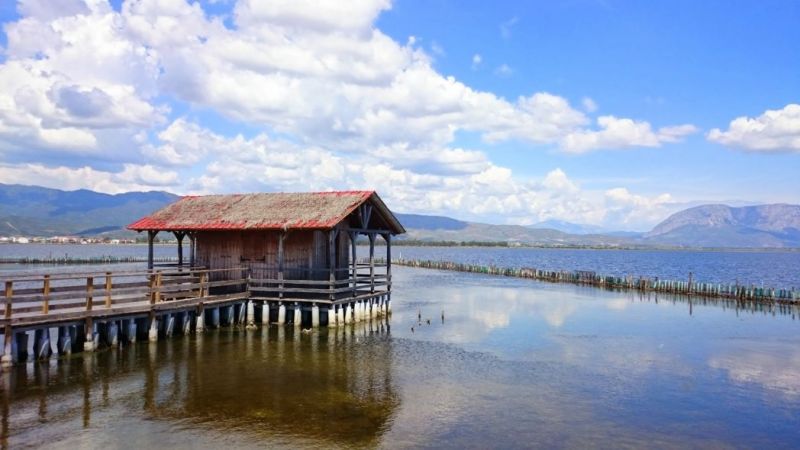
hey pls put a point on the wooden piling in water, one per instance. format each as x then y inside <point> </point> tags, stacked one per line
<point>644,284</point>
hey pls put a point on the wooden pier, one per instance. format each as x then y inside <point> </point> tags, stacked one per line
<point>253,259</point>
<point>65,313</point>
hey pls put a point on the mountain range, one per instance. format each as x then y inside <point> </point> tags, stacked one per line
<point>39,211</point>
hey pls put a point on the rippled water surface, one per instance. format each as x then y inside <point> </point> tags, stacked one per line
<point>769,268</point>
<point>514,363</point>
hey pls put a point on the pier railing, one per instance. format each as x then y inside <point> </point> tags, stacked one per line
<point>310,285</point>
<point>644,284</point>
<point>35,298</point>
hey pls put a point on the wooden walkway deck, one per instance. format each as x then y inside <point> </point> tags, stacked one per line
<point>61,313</point>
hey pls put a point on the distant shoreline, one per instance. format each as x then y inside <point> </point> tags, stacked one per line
<point>489,244</point>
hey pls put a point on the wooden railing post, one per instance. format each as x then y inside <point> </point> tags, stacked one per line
<point>249,277</point>
<point>46,295</point>
<point>151,285</point>
<point>89,291</point>
<point>204,284</point>
<point>9,294</point>
<point>157,293</point>
<point>108,289</point>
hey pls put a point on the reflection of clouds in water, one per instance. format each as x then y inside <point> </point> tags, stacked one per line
<point>476,311</point>
<point>769,365</point>
<point>626,358</point>
<point>619,304</point>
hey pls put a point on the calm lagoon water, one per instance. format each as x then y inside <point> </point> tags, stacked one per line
<point>514,363</point>
<point>778,269</point>
<point>769,268</point>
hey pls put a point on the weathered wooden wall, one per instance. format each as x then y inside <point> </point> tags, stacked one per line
<point>305,252</point>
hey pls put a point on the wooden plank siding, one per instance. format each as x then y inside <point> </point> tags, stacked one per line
<point>305,253</point>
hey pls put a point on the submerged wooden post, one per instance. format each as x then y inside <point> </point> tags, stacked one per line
<point>46,294</point>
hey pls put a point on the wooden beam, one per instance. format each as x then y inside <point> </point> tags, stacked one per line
<point>372,262</point>
<point>108,290</point>
<point>281,238</point>
<point>367,230</point>
<point>179,235</point>
<point>46,295</point>
<point>353,235</point>
<point>388,238</point>
<point>151,234</point>
<point>192,246</point>
<point>9,294</point>
<point>332,234</point>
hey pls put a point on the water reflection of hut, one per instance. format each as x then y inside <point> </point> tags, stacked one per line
<point>298,248</point>
<point>274,386</point>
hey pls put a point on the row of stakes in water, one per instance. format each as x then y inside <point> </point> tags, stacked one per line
<point>641,283</point>
<point>67,260</point>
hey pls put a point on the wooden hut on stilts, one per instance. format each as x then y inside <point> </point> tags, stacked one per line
<point>298,249</point>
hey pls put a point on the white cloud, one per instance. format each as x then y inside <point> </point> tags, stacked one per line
<point>328,100</point>
<point>131,178</point>
<point>503,70</point>
<point>318,15</point>
<point>626,208</point>
<point>588,105</point>
<point>622,133</point>
<point>476,61</point>
<point>507,26</point>
<point>773,131</point>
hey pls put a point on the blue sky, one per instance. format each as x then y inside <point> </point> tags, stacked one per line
<point>606,112</point>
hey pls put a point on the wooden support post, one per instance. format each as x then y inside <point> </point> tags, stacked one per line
<point>179,236</point>
<point>353,237</point>
<point>151,235</point>
<point>89,292</point>
<point>332,235</point>
<point>281,238</point>
<point>46,295</point>
<point>192,243</point>
<point>371,262</point>
<point>9,294</point>
<point>108,290</point>
<point>8,358</point>
<point>88,343</point>
<point>388,238</point>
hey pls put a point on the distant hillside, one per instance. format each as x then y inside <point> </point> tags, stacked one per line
<point>38,211</point>
<point>421,222</point>
<point>724,226</point>
<point>569,227</point>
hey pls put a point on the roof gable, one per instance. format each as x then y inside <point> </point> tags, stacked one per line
<point>263,211</point>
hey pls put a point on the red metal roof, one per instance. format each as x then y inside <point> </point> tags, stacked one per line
<point>264,211</point>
